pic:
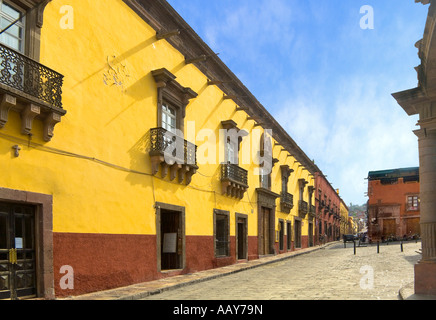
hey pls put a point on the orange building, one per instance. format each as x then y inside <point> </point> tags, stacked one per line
<point>393,206</point>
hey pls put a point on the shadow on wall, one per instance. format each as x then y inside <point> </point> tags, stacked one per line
<point>140,162</point>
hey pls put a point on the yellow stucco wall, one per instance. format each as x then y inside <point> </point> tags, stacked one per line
<point>97,165</point>
<point>344,215</point>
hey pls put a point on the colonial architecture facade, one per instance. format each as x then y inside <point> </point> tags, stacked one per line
<point>394,204</point>
<point>132,153</point>
<point>327,209</point>
<point>345,226</point>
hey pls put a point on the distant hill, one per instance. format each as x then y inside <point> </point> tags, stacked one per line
<point>356,210</point>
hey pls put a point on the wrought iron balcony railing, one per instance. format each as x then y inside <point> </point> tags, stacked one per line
<point>26,75</point>
<point>312,211</point>
<point>173,153</point>
<point>302,208</point>
<point>234,173</point>
<point>172,147</point>
<point>234,180</point>
<point>286,202</point>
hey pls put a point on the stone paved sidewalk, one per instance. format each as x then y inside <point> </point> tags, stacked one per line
<point>329,272</point>
<point>334,273</point>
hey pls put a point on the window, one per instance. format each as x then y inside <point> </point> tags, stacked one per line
<point>285,184</point>
<point>24,36</point>
<point>232,152</point>
<point>302,185</point>
<point>169,118</point>
<point>412,203</point>
<point>173,99</point>
<point>222,233</point>
<point>286,172</point>
<point>266,166</point>
<point>265,179</point>
<point>14,36</point>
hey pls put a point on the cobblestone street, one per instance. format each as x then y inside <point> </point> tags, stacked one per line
<point>333,273</point>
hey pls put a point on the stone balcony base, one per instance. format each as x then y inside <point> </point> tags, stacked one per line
<point>29,109</point>
<point>233,189</point>
<point>176,170</point>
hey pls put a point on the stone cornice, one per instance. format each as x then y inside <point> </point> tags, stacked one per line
<point>163,18</point>
<point>410,100</point>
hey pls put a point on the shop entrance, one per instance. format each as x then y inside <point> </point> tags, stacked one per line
<point>17,251</point>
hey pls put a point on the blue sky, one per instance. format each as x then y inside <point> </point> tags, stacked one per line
<point>327,81</point>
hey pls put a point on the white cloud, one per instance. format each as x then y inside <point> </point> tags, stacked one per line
<point>362,130</point>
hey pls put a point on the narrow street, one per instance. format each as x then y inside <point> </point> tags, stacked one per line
<point>333,273</point>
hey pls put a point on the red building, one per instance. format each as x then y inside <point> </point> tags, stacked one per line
<point>393,206</point>
<point>327,203</point>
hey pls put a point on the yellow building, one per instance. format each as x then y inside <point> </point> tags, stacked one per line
<point>132,153</point>
<point>345,227</point>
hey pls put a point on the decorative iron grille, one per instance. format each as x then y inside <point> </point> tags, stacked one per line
<point>312,211</point>
<point>26,75</point>
<point>303,206</point>
<point>235,173</point>
<point>287,198</point>
<point>173,147</point>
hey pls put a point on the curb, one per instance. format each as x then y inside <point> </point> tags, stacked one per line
<point>408,293</point>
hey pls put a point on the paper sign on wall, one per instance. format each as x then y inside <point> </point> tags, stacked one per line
<point>170,243</point>
<point>18,243</point>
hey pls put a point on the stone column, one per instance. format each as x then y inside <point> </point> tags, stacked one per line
<point>425,270</point>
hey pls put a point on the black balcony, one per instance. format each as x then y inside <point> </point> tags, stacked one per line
<point>312,211</point>
<point>303,208</point>
<point>30,88</point>
<point>286,202</point>
<point>234,180</point>
<point>173,154</point>
<point>26,75</point>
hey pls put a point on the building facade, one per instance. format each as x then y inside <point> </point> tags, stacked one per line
<point>394,204</point>
<point>139,157</point>
<point>327,203</point>
<point>345,226</point>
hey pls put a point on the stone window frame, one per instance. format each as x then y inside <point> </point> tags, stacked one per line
<point>262,153</point>
<point>286,172</point>
<point>34,10</point>
<point>216,213</point>
<point>413,196</point>
<point>229,125</point>
<point>173,93</point>
<point>159,206</point>
<point>298,243</point>
<point>241,216</point>
<point>43,204</point>
<point>288,235</point>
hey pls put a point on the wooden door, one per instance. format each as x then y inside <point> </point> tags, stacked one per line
<point>389,228</point>
<point>413,226</point>
<point>171,240</point>
<point>297,234</point>
<point>17,251</point>
<point>242,238</point>
<point>310,235</point>
<point>266,236</point>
